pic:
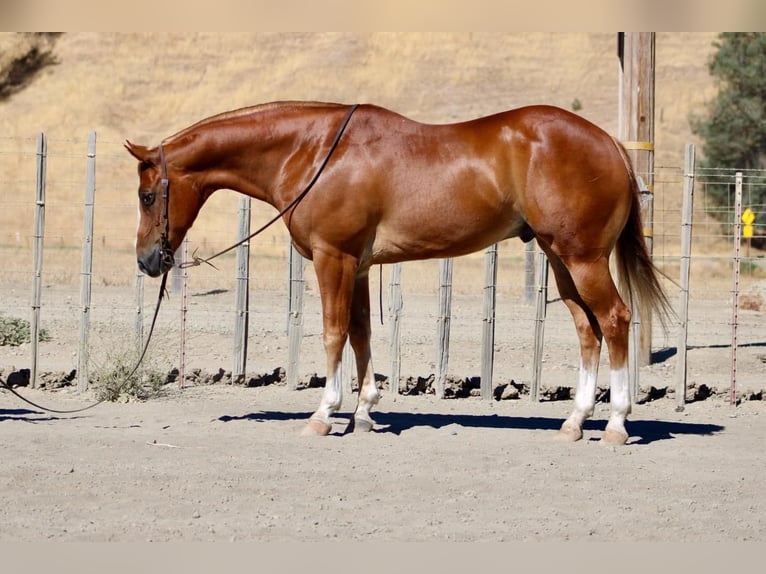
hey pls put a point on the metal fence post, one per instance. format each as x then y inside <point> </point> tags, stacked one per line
<point>529,272</point>
<point>86,274</point>
<point>443,324</point>
<point>184,310</point>
<point>295,317</point>
<point>488,328</point>
<point>34,324</point>
<point>735,289</point>
<point>395,304</point>
<point>542,303</point>
<point>139,311</point>
<point>242,311</point>
<point>686,253</point>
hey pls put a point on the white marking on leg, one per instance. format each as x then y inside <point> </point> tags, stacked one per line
<point>332,398</point>
<point>368,396</point>
<point>585,396</point>
<point>585,400</point>
<point>620,398</point>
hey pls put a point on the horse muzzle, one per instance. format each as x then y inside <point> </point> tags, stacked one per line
<point>158,261</point>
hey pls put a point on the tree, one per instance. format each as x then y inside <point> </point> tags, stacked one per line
<point>734,131</point>
<point>23,55</point>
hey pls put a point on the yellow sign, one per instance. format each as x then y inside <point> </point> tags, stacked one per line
<point>747,231</point>
<point>747,218</point>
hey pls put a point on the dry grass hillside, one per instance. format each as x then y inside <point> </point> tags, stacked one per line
<point>144,87</point>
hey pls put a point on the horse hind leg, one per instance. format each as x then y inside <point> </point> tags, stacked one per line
<point>598,293</point>
<point>585,394</point>
<point>590,337</point>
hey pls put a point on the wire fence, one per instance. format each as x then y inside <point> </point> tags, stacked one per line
<point>117,310</point>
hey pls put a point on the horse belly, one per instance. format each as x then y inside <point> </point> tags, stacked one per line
<point>439,235</point>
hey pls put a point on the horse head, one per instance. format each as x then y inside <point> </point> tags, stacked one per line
<point>167,207</point>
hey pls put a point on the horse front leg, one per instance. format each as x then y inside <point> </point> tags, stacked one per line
<point>360,333</point>
<point>335,275</point>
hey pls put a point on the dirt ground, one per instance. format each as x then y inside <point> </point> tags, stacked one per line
<point>222,462</point>
<point>219,462</point>
<point>225,463</point>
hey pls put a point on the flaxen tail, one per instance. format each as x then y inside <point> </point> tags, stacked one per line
<point>638,278</point>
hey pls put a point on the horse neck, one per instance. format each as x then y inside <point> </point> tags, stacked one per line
<point>252,157</point>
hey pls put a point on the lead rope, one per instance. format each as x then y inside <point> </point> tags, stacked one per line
<point>127,378</point>
<point>168,253</point>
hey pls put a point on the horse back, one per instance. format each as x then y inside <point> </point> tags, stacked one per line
<point>435,190</point>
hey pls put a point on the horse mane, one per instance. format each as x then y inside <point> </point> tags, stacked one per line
<point>247,112</point>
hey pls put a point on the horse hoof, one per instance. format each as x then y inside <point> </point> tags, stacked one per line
<point>362,425</point>
<point>614,437</point>
<point>358,425</point>
<point>316,428</point>
<point>569,433</point>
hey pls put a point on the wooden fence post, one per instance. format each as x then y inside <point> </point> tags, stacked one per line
<point>488,328</point>
<point>34,324</point>
<point>443,324</point>
<point>636,130</point>
<point>686,253</point>
<point>242,293</point>
<point>542,303</point>
<point>295,317</point>
<point>86,273</point>
<point>395,304</point>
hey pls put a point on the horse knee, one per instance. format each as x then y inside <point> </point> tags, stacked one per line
<point>334,341</point>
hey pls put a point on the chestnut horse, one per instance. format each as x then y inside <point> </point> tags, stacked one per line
<point>395,190</point>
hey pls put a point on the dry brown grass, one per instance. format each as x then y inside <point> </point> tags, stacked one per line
<point>145,87</point>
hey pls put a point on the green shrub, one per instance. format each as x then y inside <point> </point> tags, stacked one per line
<point>14,332</point>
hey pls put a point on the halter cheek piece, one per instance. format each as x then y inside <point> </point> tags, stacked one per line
<point>166,250</point>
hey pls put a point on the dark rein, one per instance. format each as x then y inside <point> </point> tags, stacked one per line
<point>167,255</point>
<point>3,383</point>
<point>198,260</point>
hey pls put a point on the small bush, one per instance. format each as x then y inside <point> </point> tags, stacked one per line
<point>14,332</point>
<point>113,383</point>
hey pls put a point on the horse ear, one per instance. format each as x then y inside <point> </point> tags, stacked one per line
<point>141,153</point>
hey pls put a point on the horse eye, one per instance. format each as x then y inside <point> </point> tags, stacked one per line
<point>147,199</point>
